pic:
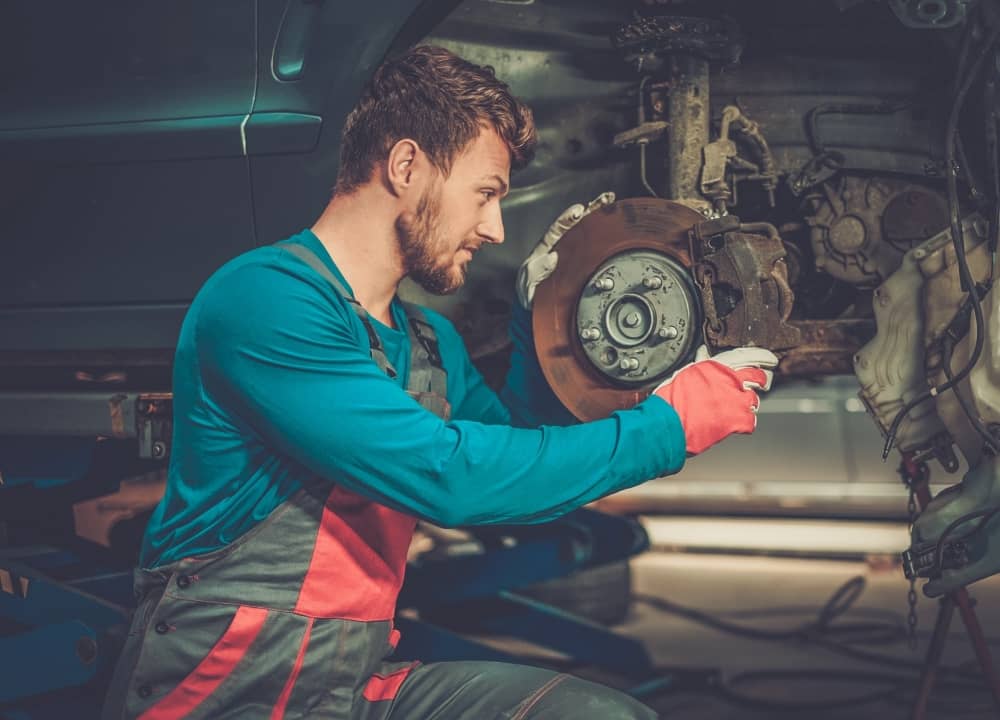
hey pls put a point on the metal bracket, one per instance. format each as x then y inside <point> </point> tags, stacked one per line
<point>154,425</point>
<point>646,132</point>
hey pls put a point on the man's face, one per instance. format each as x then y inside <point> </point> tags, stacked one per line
<point>455,216</point>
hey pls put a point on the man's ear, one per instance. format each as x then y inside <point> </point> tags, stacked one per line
<point>405,167</point>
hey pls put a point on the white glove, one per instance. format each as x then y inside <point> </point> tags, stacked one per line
<point>542,261</point>
<point>744,357</point>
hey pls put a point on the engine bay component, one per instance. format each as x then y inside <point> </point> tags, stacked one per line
<point>604,323</point>
<point>862,226</point>
<point>676,51</point>
<point>979,393</point>
<point>893,368</point>
<point>741,271</point>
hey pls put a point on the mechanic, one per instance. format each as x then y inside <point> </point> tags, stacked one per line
<point>317,417</point>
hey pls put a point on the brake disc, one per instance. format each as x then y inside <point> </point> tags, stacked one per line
<point>621,311</point>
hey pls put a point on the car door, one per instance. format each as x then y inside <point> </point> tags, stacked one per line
<point>315,56</point>
<point>123,175</point>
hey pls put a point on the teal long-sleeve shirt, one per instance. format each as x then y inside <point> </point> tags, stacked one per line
<point>275,389</point>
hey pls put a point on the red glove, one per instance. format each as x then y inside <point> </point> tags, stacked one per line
<point>715,398</point>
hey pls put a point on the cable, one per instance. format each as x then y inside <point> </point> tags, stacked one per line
<point>838,604</point>
<point>977,423</point>
<point>817,632</point>
<point>642,143</point>
<point>955,223</point>
<point>728,693</point>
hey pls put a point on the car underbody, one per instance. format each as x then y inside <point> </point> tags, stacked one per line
<point>789,175</point>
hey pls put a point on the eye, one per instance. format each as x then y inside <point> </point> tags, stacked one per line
<point>488,193</point>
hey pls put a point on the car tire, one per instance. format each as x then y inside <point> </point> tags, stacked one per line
<point>601,594</point>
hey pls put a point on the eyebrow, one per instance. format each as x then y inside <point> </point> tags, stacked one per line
<point>500,181</point>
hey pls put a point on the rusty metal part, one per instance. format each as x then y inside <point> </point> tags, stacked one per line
<point>740,269</point>
<point>648,37</point>
<point>687,102</point>
<point>862,226</point>
<point>827,347</point>
<point>630,225</point>
<point>722,161</point>
<point>644,133</point>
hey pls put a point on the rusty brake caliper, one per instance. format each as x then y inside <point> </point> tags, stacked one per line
<point>741,272</point>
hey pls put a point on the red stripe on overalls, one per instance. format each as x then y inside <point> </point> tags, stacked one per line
<point>385,687</point>
<point>216,667</point>
<point>279,708</point>
<point>358,560</point>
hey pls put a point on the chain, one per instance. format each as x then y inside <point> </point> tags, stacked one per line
<point>911,596</point>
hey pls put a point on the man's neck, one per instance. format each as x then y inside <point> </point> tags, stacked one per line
<point>360,236</point>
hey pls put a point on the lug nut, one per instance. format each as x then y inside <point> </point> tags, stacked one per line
<point>653,282</point>
<point>668,333</point>
<point>628,364</point>
<point>604,283</point>
<point>590,333</point>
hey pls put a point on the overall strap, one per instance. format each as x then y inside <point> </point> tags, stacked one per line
<point>312,260</point>
<point>427,373</point>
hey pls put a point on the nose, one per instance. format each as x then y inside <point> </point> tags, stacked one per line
<point>491,228</point>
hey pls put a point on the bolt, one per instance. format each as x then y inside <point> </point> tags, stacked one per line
<point>668,333</point>
<point>632,319</point>
<point>590,333</point>
<point>628,364</point>
<point>159,450</point>
<point>604,283</point>
<point>653,282</point>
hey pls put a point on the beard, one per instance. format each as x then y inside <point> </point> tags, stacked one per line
<point>422,246</point>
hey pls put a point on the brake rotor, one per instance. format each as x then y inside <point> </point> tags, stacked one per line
<point>621,311</point>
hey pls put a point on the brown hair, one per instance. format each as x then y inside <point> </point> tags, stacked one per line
<point>441,101</point>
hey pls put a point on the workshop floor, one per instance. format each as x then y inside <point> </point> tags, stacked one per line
<point>783,592</point>
<point>732,583</point>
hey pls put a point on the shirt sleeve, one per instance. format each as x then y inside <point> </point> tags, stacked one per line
<point>286,354</point>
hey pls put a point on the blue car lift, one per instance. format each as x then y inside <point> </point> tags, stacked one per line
<point>64,610</point>
<point>514,557</point>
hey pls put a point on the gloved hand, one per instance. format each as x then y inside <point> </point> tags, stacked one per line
<point>714,396</point>
<point>542,261</point>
